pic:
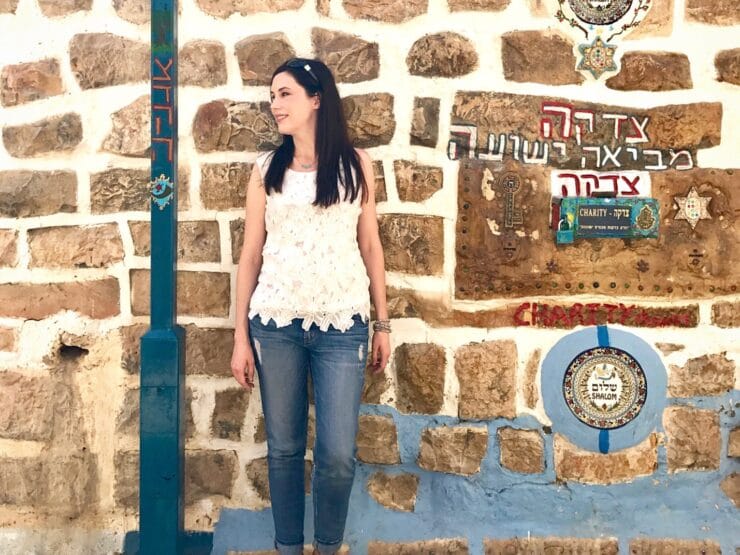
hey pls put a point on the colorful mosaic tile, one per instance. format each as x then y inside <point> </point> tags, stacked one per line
<point>597,57</point>
<point>600,22</point>
<point>162,190</point>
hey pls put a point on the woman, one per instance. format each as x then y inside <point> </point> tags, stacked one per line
<point>310,262</point>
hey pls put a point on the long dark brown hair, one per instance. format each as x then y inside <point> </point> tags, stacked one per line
<point>337,157</point>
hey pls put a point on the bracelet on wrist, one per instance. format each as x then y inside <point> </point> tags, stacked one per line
<point>382,325</point>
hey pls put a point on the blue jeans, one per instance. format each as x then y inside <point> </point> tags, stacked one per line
<point>336,361</point>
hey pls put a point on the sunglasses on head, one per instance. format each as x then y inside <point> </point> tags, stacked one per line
<point>298,63</point>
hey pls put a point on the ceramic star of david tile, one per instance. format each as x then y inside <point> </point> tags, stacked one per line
<point>598,57</point>
<point>693,208</point>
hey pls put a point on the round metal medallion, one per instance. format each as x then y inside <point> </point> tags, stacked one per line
<point>510,182</point>
<point>600,12</point>
<point>604,387</point>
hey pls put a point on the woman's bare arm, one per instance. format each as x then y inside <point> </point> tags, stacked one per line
<point>368,238</point>
<point>250,260</point>
<point>371,249</point>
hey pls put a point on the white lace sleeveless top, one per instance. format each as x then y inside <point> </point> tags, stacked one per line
<point>311,263</point>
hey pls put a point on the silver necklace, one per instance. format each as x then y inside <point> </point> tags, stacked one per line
<point>306,166</point>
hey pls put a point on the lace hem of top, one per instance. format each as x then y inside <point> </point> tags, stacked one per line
<point>341,320</point>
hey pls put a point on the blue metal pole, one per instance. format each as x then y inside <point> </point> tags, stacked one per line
<point>163,346</point>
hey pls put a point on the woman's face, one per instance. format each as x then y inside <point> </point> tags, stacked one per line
<point>291,106</point>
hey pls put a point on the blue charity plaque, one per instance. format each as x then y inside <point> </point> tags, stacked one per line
<point>593,217</point>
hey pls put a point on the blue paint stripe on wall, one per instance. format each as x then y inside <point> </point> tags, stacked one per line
<point>602,334</point>
<point>603,441</point>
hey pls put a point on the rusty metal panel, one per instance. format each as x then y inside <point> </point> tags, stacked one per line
<point>505,246</point>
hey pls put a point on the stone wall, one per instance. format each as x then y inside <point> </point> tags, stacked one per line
<point>458,454</point>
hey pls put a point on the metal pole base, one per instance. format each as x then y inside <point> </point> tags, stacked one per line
<point>161,472</point>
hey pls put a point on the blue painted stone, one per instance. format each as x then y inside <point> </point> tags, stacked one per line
<point>498,503</point>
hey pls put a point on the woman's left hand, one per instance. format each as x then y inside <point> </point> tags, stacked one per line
<point>381,351</point>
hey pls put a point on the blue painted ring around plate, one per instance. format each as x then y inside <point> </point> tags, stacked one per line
<point>565,422</point>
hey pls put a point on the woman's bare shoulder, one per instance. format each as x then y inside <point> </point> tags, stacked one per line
<point>262,161</point>
<point>362,153</point>
<point>265,156</point>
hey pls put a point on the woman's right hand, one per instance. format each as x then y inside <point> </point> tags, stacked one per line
<point>242,364</point>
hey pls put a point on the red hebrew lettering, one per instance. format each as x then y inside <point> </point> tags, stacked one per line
<point>564,112</point>
<point>592,182</point>
<point>632,190</point>
<point>614,179</point>
<point>588,116</point>
<point>576,183</point>
<point>639,135</point>
<point>469,136</point>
